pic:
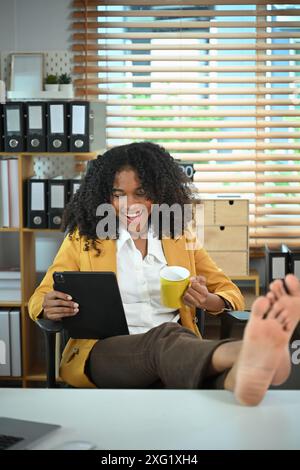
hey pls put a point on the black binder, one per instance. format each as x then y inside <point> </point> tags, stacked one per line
<point>57,200</point>
<point>79,126</point>
<point>57,127</point>
<point>87,126</point>
<point>36,126</point>
<point>14,136</point>
<point>277,264</point>
<point>37,203</point>
<point>293,259</point>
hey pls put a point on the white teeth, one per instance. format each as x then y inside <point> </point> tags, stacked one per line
<point>133,215</point>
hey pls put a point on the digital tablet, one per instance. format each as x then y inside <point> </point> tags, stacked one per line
<point>101,313</point>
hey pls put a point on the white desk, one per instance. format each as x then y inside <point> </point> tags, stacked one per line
<point>159,419</point>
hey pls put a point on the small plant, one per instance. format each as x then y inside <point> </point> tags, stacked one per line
<point>51,79</point>
<point>64,79</point>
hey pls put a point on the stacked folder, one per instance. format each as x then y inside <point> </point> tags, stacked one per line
<point>10,342</point>
<point>281,261</point>
<point>55,126</point>
<point>47,199</point>
<point>10,285</point>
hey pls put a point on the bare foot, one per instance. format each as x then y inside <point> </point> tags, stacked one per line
<point>284,368</point>
<point>264,345</point>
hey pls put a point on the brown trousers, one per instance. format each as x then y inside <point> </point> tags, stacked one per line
<point>168,355</point>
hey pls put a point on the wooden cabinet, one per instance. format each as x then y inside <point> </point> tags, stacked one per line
<point>226,234</point>
<point>33,364</point>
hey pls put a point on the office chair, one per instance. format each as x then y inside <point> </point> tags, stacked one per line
<point>50,329</point>
<point>231,317</point>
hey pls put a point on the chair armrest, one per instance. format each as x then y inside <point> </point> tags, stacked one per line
<point>229,317</point>
<point>50,328</point>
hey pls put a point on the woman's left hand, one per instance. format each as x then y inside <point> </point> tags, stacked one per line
<point>196,294</point>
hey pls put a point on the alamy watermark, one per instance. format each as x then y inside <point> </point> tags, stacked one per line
<point>295,356</point>
<point>136,218</point>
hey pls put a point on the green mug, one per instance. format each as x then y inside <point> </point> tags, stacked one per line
<point>173,282</point>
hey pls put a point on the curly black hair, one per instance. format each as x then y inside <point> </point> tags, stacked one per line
<point>161,178</point>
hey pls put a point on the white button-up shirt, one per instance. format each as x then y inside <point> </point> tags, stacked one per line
<point>139,283</point>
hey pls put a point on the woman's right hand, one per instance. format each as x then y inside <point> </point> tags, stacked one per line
<point>58,305</point>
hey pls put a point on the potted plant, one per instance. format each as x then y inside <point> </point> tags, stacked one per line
<point>65,85</point>
<point>51,82</point>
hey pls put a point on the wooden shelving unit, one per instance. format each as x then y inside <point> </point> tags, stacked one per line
<point>33,366</point>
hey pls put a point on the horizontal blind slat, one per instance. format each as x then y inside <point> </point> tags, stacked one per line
<point>184,35</point>
<point>228,146</point>
<point>235,157</point>
<point>201,135</point>
<point>179,46</point>
<point>95,3</point>
<point>255,167</point>
<point>199,102</point>
<point>181,13</point>
<point>181,57</point>
<point>83,25</point>
<point>201,113</point>
<point>199,177</point>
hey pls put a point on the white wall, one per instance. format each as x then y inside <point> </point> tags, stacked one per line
<point>34,25</point>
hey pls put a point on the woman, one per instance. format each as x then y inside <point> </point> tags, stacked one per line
<point>163,344</point>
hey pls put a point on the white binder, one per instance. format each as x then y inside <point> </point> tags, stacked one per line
<point>13,176</point>
<point>5,367</point>
<point>4,193</point>
<point>15,342</point>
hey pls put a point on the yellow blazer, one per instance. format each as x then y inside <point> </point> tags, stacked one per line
<point>73,257</point>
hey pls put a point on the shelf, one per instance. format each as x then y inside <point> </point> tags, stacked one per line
<point>39,378</point>
<point>51,154</point>
<point>10,304</point>
<point>36,377</point>
<point>40,95</point>
<point>252,276</point>
<point>25,229</point>
<point>7,377</point>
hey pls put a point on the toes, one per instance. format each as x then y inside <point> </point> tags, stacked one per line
<point>271,296</point>
<point>282,317</point>
<point>293,284</point>
<point>275,310</point>
<point>260,307</point>
<point>277,288</point>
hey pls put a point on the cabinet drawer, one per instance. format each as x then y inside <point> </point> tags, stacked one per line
<point>225,238</point>
<point>232,263</point>
<point>231,212</point>
<point>209,212</point>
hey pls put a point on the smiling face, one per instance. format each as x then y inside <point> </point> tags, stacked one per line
<point>130,202</point>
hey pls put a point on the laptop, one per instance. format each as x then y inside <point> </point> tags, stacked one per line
<point>101,312</point>
<point>17,434</point>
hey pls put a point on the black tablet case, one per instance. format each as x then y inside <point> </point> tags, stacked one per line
<point>101,313</point>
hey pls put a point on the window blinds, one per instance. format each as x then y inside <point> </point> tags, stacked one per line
<point>218,85</point>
